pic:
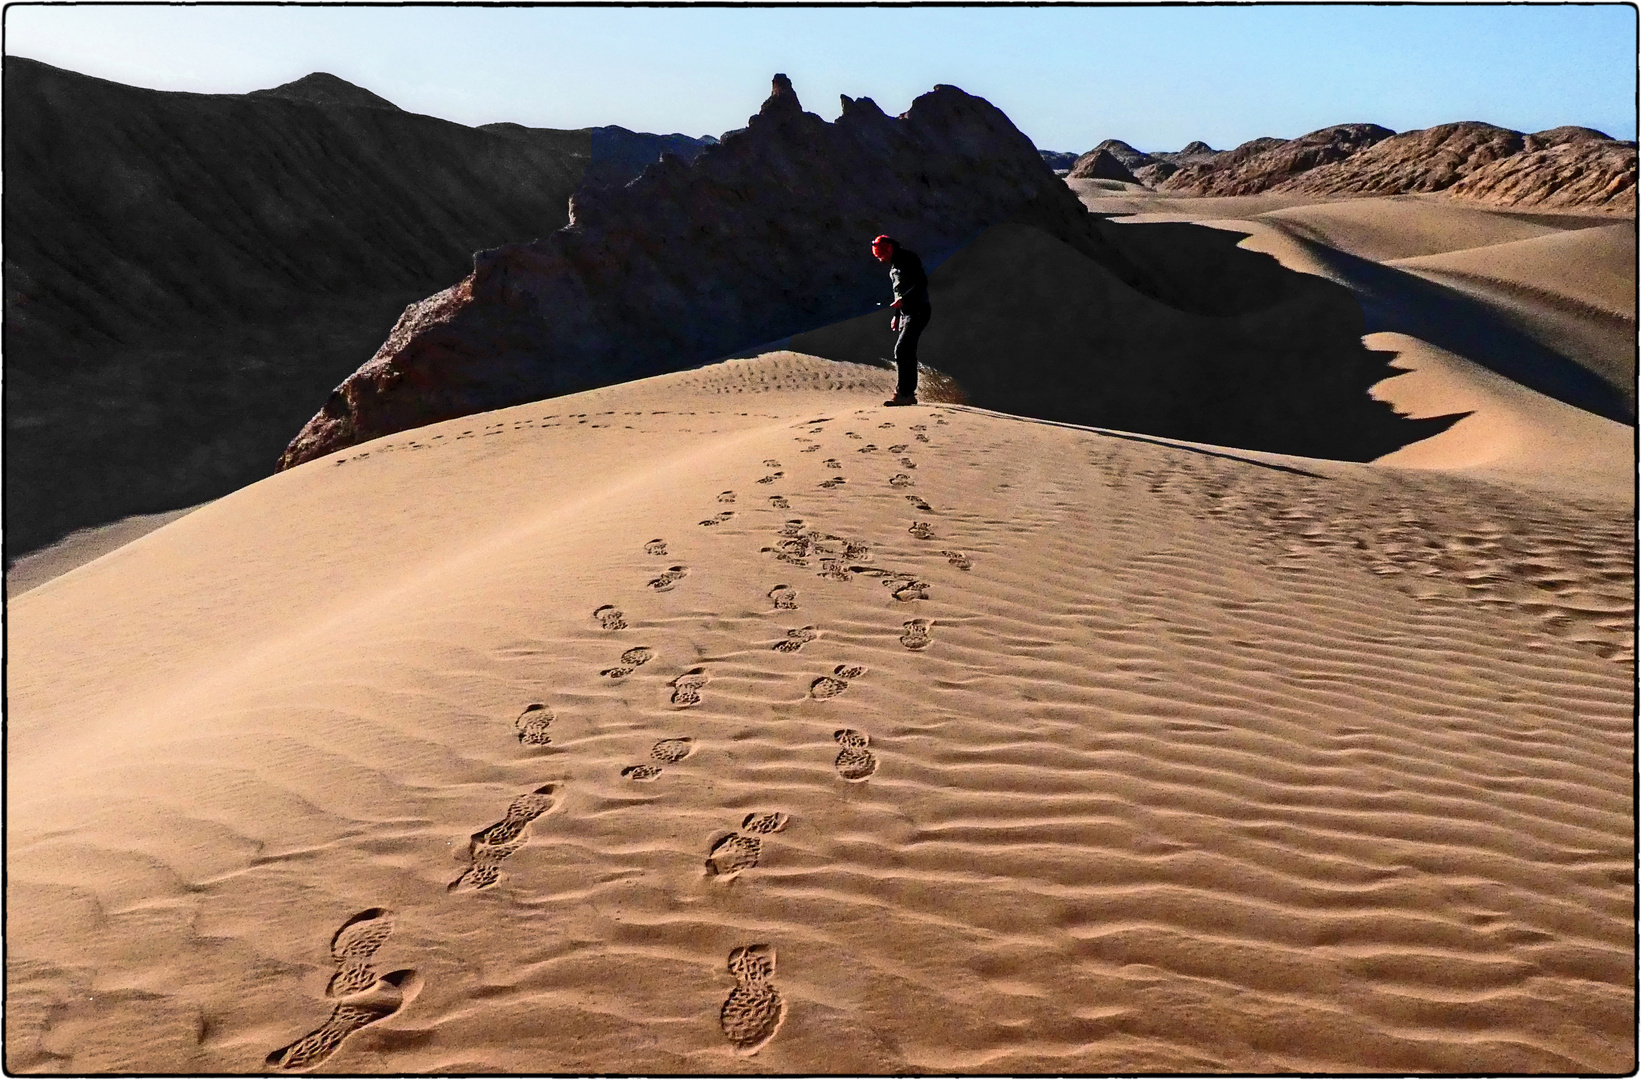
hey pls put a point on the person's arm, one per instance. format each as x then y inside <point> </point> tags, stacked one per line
<point>916,281</point>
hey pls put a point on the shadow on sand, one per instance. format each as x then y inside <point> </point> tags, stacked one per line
<point>1240,351</point>
<point>1393,299</point>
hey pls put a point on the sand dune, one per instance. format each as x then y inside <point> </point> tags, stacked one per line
<point>728,721</point>
<point>1404,226</point>
<point>1572,290</point>
<point>1592,267</point>
<point>1508,432</point>
<point>80,547</point>
<point>1533,321</point>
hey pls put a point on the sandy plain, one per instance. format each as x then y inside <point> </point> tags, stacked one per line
<point>728,721</point>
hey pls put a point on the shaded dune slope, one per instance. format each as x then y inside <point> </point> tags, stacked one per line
<point>1271,360</point>
<point>1395,300</point>
<point>1543,299</point>
<point>1047,750</point>
<point>188,275</point>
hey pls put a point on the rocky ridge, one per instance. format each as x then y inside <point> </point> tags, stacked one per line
<point>188,275</point>
<point>323,88</point>
<point>1563,168</point>
<point>1058,160</point>
<point>1572,173</point>
<point>1131,158</point>
<point>1261,164</point>
<point>620,155</point>
<point>762,236</point>
<point>1195,152</point>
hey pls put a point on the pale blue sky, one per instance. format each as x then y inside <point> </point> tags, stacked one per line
<point>1067,77</point>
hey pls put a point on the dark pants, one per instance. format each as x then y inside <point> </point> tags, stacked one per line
<point>906,350</point>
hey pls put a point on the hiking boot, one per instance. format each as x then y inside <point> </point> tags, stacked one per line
<point>902,399</point>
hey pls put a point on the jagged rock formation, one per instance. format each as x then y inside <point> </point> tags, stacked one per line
<point>1100,164</point>
<point>188,275</point>
<point>1058,160</point>
<point>763,236</point>
<point>1262,164</point>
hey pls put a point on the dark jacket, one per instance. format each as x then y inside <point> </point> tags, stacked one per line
<point>911,284</point>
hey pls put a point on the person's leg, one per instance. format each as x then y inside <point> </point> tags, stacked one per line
<point>906,353</point>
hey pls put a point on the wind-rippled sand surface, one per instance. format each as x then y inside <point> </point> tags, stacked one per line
<point>728,721</point>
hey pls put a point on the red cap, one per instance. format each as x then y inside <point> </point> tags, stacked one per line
<point>883,241</point>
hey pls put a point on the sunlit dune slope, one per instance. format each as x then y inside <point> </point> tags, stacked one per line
<point>728,721</point>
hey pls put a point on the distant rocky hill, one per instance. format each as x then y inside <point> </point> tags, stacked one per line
<point>762,236</point>
<point>1153,168</point>
<point>1193,153</point>
<point>1131,158</point>
<point>1414,161</point>
<point>1572,173</point>
<point>187,276</point>
<point>1057,160</point>
<point>1261,164</point>
<point>620,155</point>
<point>1100,164</point>
<point>1565,167</point>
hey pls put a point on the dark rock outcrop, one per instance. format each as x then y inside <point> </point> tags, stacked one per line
<point>1058,160</point>
<point>1100,165</point>
<point>188,275</point>
<point>619,155</point>
<point>1261,164</point>
<point>763,236</point>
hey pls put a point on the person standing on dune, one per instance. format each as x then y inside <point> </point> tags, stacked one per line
<point>912,311</point>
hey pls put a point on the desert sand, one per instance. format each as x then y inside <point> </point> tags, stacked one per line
<point>727,721</point>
